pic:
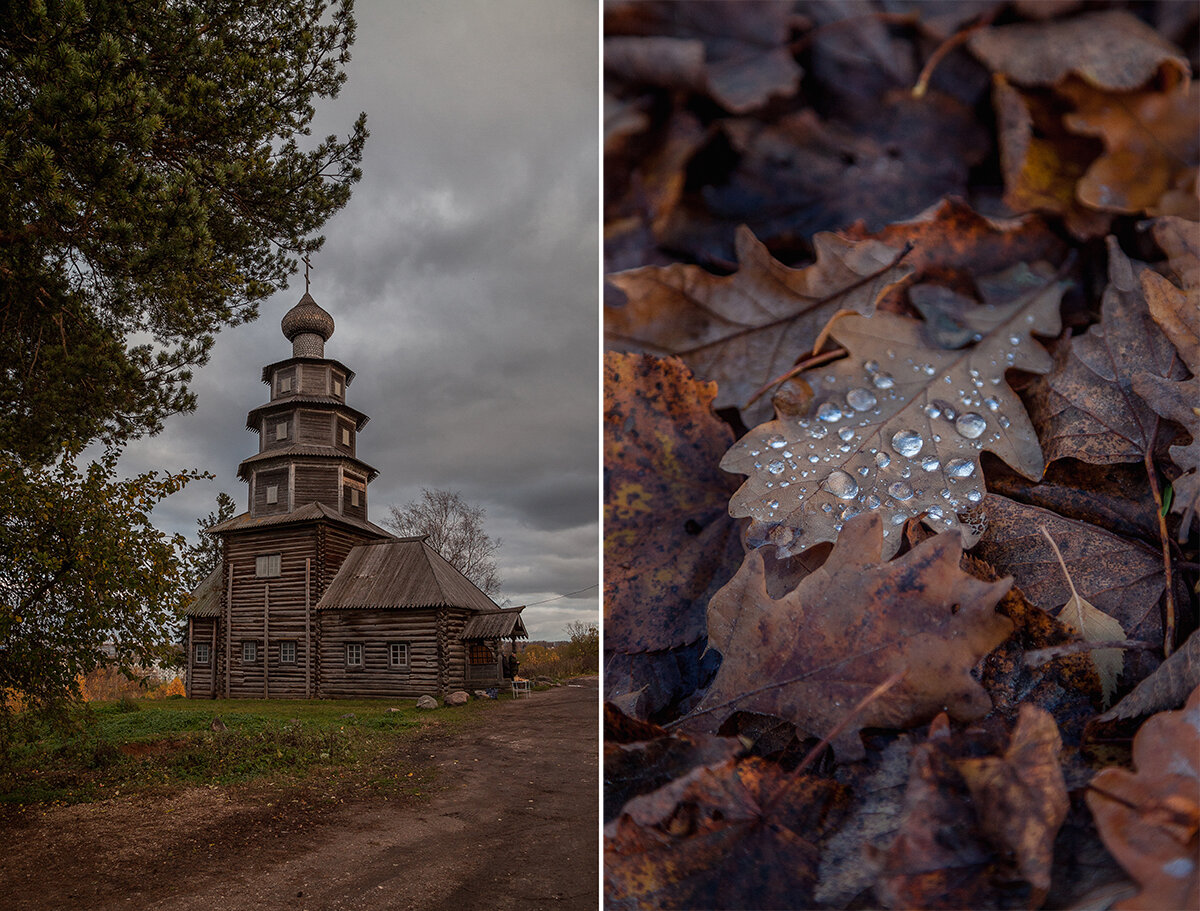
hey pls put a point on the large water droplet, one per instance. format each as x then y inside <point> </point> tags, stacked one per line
<point>818,432</point>
<point>860,399</point>
<point>970,425</point>
<point>901,491</point>
<point>932,410</point>
<point>907,442</point>
<point>871,502</point>
<point>846,434</point>
<point>992,402</point>
<point>776,441</point>
<point>775,467</point>
<point>829,412</point>
<point>814,459</point>
<point>850,512</point>
<point>882,459</point>
<point>930,463</point>
<point>883,381</point>
<point>975,495</point>
<point>841,484</point>
<point>960,468</point>
<point>935,512</point>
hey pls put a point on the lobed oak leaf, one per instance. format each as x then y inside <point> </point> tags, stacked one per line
<point>1090,411</point>
<point>745,329</point>
<point>1150,818</point>
<point>668,539</point>
<point>1152,149</point>
<point>1179,238</point>
<point>897,428</point>
<point>1111,50</point>
<point>809,656</point>
<point>735,52</point>
<point>739,834</point>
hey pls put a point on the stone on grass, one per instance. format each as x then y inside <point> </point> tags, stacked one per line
<point>459,697</point>
<point>427,702</point>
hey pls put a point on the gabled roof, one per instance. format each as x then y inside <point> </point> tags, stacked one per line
<point>307,513</point>
<point>496,625</point>
<point>403,573</point>
<point>206,599</point>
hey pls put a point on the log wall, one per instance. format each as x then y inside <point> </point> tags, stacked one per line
<point>314,426</point>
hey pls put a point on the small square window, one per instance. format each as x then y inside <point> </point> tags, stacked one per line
<point>345,437</point>
<point>281,431</point>
<point>267,566</point>
<point>272,493</point>
<point>353,496</point>
<point>285,384</point>
<point>287,652</point>
<point>202,653</point>
<point>249,651</point>
<point>398,654</point>
<point>354,654</point>
<point>337,387</point>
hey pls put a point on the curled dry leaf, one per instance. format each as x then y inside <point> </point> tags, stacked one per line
<point>668,540</point>
<point>1152,148</point>
<point>896,429</point>
<point>1091,412</point>
<point>745,329</point>
<point>1150,818</point>
<point>735,52</point>
<point>810,656</point>
<point>739,834</point>
<point>1179,238</point>
<point>1110,50</point>
<point>1166,688</point>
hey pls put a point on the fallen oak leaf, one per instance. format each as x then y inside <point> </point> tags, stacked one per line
<point>1166,688</point>
<point>745,329</point>
<point>845,629</point>
<point>688,844</point>
<point>1179,238</point>
<point>896,428</point>
<point>1150,818</point>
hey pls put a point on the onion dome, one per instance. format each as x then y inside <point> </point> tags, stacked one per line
<point>307,326</point>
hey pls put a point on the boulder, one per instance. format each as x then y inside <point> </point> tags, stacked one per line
<point>458,697</point>
<point>427,702</point>
<point>218,725</point>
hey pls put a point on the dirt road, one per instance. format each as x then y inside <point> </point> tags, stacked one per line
<point>512,823</point>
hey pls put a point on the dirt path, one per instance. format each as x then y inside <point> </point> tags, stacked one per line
<point>513,823</point>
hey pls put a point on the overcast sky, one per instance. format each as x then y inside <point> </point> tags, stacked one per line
<point>462,278</point>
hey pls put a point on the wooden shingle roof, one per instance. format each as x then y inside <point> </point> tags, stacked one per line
<point>307,513</point>
<point>404,573</point>
<point>496,625</point>
<point>206,599</point>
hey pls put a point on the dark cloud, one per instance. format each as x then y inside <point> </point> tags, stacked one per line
<point>463,281</point>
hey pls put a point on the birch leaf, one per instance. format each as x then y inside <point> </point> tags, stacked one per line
<point>897,428</point>
<point>745,329</point>
<point>1094,626</point>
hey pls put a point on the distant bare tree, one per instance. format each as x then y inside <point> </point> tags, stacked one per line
<point>455,530</point>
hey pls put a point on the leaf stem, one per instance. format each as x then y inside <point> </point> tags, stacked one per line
<point>1169,626</point>
<point>809,362</point>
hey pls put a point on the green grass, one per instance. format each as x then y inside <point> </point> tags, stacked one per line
<point>131,745</point>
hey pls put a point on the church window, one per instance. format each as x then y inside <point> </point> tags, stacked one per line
<point>337,387</point>
<point>249,651</point>
<point>202,653</point>
<point>285,384</point>
<point>345,437</point>
<point>353,496</point>
<point>272,493</point>
<point>354,654</point>
<point>281,431</point>
<point>287,652</point>
<point>267,566</point>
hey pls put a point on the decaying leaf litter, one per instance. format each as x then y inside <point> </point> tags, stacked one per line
<point>902,449</point>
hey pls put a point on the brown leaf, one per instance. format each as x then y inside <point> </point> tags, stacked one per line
<point>1152,148</point>
<point>1043,161</point>
<point>735,52</point>
<point>1180,240</point>
<point>1120,577</point>
<point>1091,412</point>
<point>741,834</point>
<point>668,537</point>
<point>1166,688</point>
<point>896,428</point>
<point>803,174</point>
<point>745,329</point>
<point>810,656</point>
<point>1150,819</point>
<point>1021,797</point>
<point>639,766</point>
<point>1110,50</point>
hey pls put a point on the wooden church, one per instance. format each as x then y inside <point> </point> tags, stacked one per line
<point>312,599</point>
